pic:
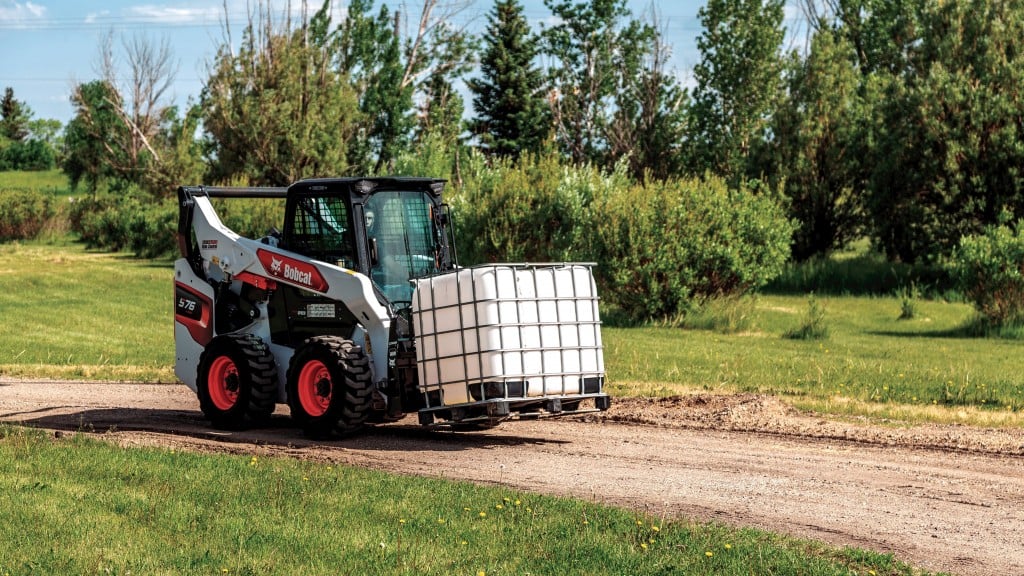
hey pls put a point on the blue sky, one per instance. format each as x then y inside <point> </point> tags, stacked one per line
<point>46,46</point>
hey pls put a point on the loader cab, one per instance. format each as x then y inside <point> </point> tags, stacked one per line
<point>393,230</point>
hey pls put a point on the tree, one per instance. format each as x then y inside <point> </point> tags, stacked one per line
<point>818,147</point>
<point>593,47</point>
<point>89,153</point>
<point>389,69</point>
<point>14,117</point>
<point>118,123</point>
<point>650,118</point>
<point>277,111</point>
<point>950,159</point>
<point>737,83</point>
<point>512,116</point>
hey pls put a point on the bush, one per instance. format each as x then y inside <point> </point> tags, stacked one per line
<point>666,248</point>
<point>28,155</point>
<point>250,217</point>
<point>534,210</point>
<point>130,221</point>
<point>23,213</point>
<point>989,271</point>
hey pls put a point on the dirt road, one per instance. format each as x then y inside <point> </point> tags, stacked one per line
<point>945,498</point>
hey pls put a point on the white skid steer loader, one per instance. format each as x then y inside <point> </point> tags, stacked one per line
<point>357,312</point>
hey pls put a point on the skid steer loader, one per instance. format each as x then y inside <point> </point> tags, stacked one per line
<point>356,312</point>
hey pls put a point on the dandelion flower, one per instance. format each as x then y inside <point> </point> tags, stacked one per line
<point>643,545</point>
<point>709,553</point>
<point>401,520</point>
<point>483,514</point>
<point>728,546</point>
<point>481,573</point>
<point>655,528</point>
<point>499,507</point>
<point>464,542</point>
<point>517,502</point>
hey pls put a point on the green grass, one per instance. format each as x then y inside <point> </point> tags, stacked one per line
<point>52,181</point>
<point>873,363</point>
<point>70,313</point>
<point>81,506</point>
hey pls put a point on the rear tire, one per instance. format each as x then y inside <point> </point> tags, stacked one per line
<point>237,381</point>
<point>330,387</point>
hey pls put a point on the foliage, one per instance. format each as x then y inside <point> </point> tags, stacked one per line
<point>949,159</point>
<point>989,270</point>
<point>14,117</point>
<point>23,213</point>
<point>511,114</point>
<point>813,325</point>
<point>89,156</point>
<point>651,119</point>
<point>122,132</point>
<point>130,220</point>
<point>817,150</point>
<point>371,54</point>
<point>25,144</point>
<point>532,210</point>
<point>276,110</point>
<point>666,247</point>
<point>594,46</point>
<point>737,83</point>
<point>28,154</point>
<point>250,217</point>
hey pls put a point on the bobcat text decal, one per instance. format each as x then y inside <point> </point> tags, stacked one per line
<point>292,270</point>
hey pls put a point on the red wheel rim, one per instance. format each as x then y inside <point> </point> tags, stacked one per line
<point>315,388</point>
<point>223,383</point>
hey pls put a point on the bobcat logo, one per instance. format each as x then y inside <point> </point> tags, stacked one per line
<point>275,266</point>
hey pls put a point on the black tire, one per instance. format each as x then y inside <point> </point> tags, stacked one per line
<point>237,382</point>
<point>330,388</point>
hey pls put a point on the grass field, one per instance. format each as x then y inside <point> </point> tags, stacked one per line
<point>50,181</point>
<point>80,506</point>
<point>72,313</point>
<point>872,363</point>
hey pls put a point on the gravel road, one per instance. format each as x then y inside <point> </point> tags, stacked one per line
<point>944,498</point>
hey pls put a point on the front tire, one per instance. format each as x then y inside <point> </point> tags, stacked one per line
<point>330,387</point>
<point>237,381</point>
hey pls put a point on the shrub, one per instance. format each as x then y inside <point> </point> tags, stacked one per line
<point>534,210</point>
<point>989,271</point>
<point>665,248</point>
<point>23,213</point>
<point>129,221</point>
<point>249,217</point>
<point>813,326</point>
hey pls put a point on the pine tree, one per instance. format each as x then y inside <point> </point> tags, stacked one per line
<point>511,113</point>
<point>14,117</point>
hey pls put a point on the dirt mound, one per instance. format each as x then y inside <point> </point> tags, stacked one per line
<point>768,415</point>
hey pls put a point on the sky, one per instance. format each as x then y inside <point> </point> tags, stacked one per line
<point>47,46</point>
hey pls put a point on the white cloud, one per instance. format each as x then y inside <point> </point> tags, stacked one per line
<point>21,13</point>
<point>173,15</point>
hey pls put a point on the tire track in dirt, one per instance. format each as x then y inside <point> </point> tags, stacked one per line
<point>947,498</point>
